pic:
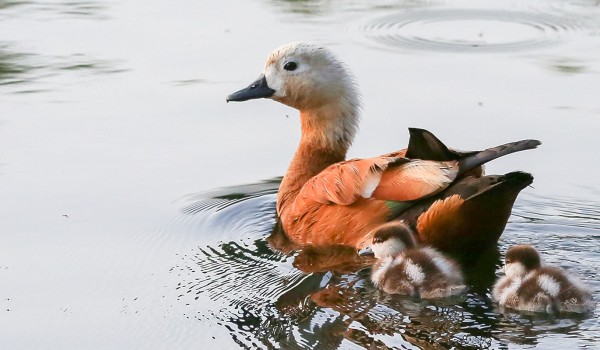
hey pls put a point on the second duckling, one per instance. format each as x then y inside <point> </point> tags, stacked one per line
<point>402,268</point>
<point>529,286</point>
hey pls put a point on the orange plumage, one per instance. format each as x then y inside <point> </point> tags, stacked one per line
<point>327,200</point>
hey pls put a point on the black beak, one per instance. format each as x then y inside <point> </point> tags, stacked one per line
<point>366,251</point>
<point>258,89</point>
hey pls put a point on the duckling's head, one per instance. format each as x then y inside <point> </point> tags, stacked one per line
<point>521,259</point>
<point>390,239</point>
<point>303,76</point>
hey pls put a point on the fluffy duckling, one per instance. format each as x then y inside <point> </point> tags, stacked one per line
<point>402,268</point>
<point>529,286</point>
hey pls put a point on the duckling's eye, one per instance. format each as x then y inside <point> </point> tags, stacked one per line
<point>290,66</point>
<point>378,240</point>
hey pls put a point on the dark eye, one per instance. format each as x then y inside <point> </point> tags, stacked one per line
<point>377,240</point>
<point>290,66</point>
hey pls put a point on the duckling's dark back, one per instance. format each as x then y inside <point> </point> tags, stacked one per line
<point>419,274</point>
<point>554,282</point>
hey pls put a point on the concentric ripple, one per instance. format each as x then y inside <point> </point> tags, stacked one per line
<point>469,30</point>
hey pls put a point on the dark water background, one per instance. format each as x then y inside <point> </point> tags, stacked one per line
<point>124,221</point>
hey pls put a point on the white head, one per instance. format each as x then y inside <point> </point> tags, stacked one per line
<point>311,79</point>
<point>391,239</point>
<point>521,259</point>
<point>307,76</point>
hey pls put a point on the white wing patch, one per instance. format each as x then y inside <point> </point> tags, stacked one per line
<point>443,265</point>
<point>549,285</point>
<point>423,169</point>
<point>414,272</point>
<point>371,183</point>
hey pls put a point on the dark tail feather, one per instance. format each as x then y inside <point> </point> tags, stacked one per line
<point>488,202</point>
<point>424,145</point>
<point>470,188</point>
<point>486,212</point>
<point>489,154</point>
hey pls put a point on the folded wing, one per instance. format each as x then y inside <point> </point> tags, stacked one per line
<point>383,178</point>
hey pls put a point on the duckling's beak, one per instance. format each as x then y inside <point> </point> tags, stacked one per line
<point>366,251</point>
<point>258,89</point>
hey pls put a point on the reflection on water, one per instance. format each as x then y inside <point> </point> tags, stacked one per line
<point>268,297</point>
<point>54,10</point>
<point>30,73</point>
<point>11,68</point>
<point>5,4</point>
<point>315,8</point>
<point>568,66</point>
<point>305,7</point>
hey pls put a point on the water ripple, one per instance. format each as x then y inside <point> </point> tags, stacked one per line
<point>237,279</point>
<point>54,10</point>
<point>560,211</point>
<point>25,72</point>
<point>469,30</point>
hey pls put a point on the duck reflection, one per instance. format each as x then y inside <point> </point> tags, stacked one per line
<point>364,314</point>
<point>272,293</point>
<point>321,259</point>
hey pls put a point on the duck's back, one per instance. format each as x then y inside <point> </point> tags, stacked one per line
<point>442,275</point>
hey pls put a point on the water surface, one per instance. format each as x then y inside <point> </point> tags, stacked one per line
<point>135,211</point>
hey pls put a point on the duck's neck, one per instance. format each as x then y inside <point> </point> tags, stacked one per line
<point>327,133</point>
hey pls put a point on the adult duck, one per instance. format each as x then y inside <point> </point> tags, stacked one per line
<point>325,200</point>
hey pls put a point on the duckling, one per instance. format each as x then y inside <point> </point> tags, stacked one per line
<point>326,200</point>
<point>529,286</point>
<point>403,268</point>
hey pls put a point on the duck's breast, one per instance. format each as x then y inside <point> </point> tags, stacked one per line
<point>313,223</point>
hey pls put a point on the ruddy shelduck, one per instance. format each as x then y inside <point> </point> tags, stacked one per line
<point>324,199</point>
<point>405,269</point>
<point>529,286</point>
